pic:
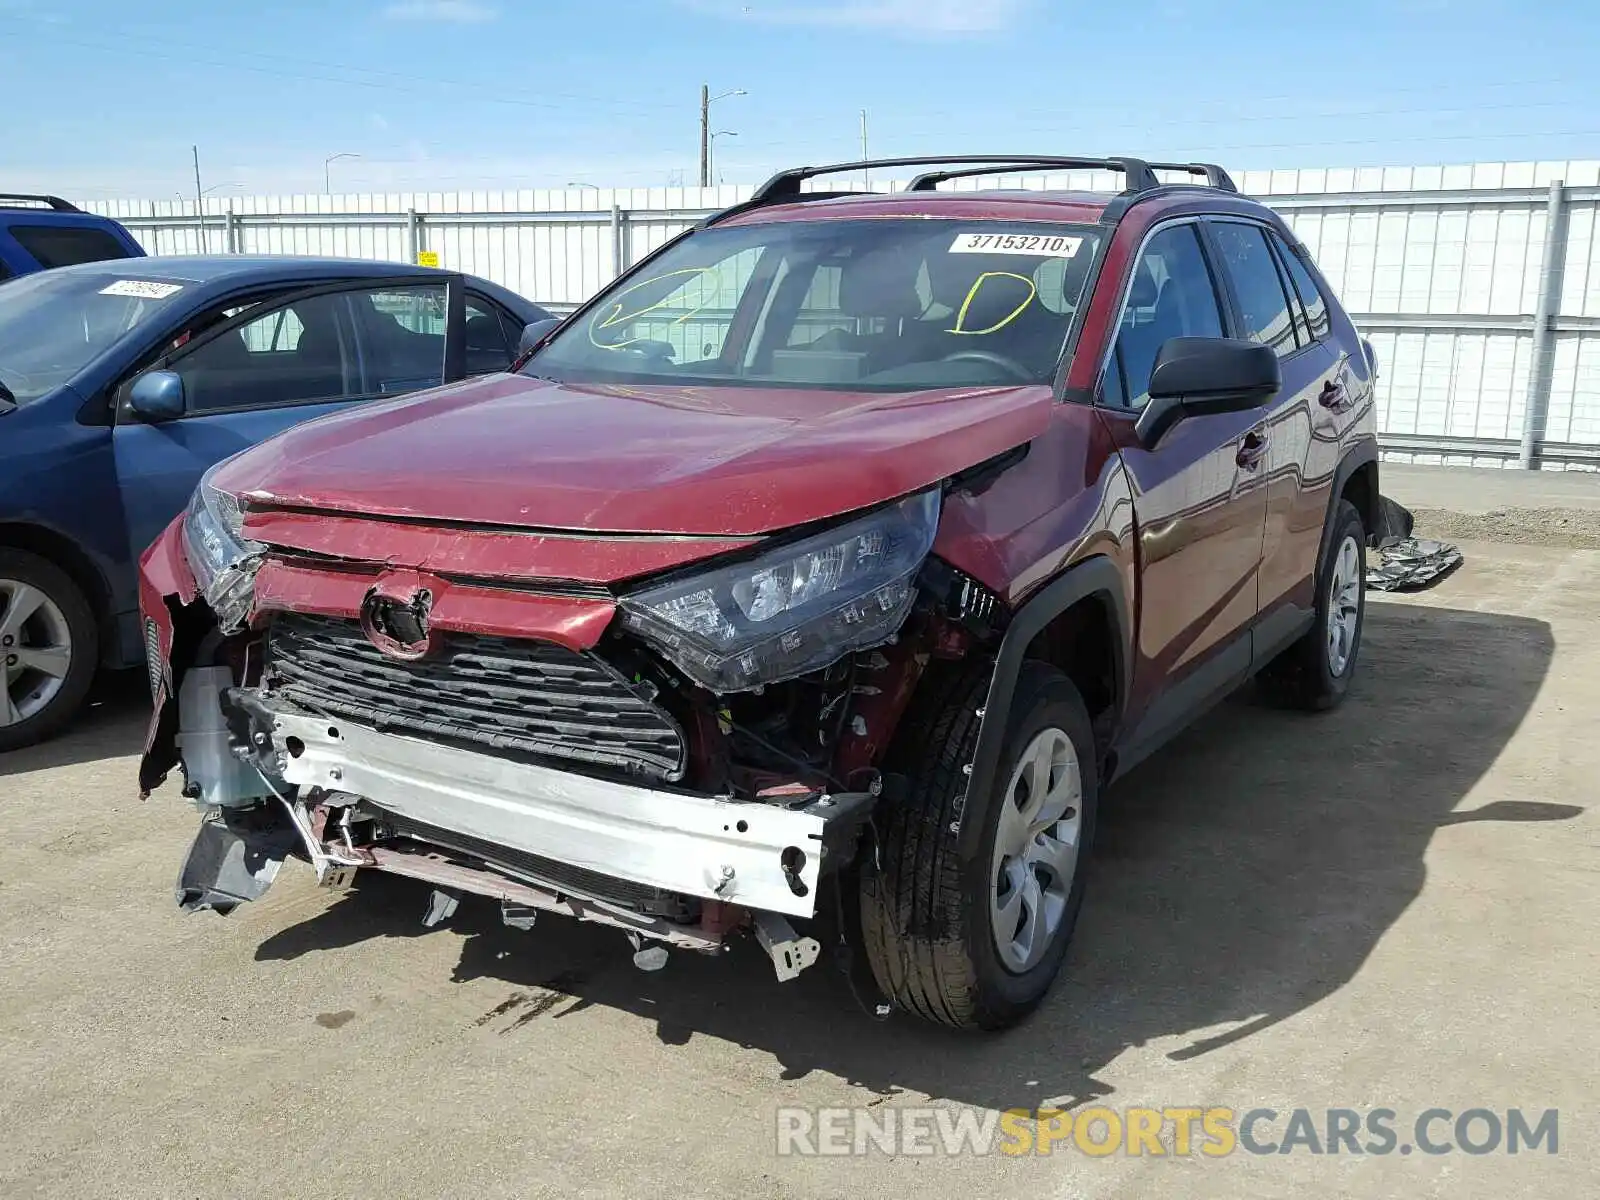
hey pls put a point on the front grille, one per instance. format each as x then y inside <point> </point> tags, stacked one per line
<point>640,897</point>
<point>529,697</point>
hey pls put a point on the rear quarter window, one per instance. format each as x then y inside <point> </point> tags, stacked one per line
<point>65,245</point>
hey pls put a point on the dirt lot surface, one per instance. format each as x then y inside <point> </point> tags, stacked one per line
<point>1390,906</point>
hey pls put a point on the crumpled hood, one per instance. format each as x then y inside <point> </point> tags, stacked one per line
<point>515,451</point>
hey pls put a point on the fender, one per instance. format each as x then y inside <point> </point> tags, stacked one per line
<point>1097,576</point>
<point>1358,456</point>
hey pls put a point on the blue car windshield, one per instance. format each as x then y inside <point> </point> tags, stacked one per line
<point>54,323</point>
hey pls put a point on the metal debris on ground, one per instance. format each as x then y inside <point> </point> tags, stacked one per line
<point>1406,563</point>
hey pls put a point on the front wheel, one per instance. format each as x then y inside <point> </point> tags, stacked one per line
<point>49,647</point>
<point>977,944</point>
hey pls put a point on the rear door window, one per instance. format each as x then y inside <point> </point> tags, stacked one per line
<point>1316,305</point>
<point>1257,286</point>
<point>64,245</point>
<point>489,345</point>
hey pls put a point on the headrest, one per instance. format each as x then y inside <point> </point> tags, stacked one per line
<point>881,283</point>
<point>1145,291</point>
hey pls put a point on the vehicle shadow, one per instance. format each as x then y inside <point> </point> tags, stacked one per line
<point>1241,876</point>
<point>113,725</point>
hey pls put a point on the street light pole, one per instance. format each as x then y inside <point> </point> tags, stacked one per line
<point>866,176</point>
<point>199,204</point>
<point>711,155</point>
<point>327,174</point>
<point>706,101</point>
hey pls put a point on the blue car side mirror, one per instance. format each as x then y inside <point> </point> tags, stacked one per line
<point>157,396</point>
<point>535,333</point>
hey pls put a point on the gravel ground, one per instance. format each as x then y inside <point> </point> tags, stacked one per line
<point>1566,528</point>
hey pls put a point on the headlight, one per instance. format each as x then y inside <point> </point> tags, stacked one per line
<point>223,561</point>
<point>795,609</point>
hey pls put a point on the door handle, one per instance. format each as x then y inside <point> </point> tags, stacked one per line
<point>1333,396</point>
<point>1252,448</point>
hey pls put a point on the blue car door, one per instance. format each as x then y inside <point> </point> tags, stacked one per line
<point>277,364</point>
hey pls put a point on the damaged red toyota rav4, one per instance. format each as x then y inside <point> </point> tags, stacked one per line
<point>823,569</point>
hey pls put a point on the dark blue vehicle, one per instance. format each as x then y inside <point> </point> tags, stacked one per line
<point>40,232</point>
<point>122,382</point>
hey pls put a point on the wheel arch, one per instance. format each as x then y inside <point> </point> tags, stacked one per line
<point>1357,481</point>
<point>63,552</point>
<point>1095,581</point>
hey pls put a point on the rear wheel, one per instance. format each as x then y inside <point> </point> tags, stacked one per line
<point>49,646</point>
<point>1315,672</point>
<point>977,944</point>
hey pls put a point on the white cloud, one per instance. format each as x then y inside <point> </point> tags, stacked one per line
<point>907,16</point>
<point>461,12</point>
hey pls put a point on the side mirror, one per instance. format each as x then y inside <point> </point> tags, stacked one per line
<point>157,396</point>
<point>1199,376</point>
<point>535,333</point>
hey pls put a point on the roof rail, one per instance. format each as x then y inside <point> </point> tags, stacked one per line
<point>1215,176</point>
<point>55,202</point>
<point>1140,175</point>
<point>786,184</point>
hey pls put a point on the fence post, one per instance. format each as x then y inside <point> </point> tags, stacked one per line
<point>1541,368</point>
<point>413,234</point>
<point>619,241</point>
<point>232,228</point>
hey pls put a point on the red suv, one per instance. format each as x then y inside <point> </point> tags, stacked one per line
<point>825,567</point>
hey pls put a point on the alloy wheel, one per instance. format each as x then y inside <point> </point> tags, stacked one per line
<point>1344,606</point>
<point>35,651</point>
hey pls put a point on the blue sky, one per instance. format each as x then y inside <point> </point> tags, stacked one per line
<point>104,99</point>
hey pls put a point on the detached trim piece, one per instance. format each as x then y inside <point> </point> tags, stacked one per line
<point>698,845</point>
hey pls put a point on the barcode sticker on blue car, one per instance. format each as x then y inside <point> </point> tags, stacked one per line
<point>141,289</point>
<point>1041,245</point>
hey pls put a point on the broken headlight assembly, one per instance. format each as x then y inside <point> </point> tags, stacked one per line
<point>224,562</point>
<point>794,609</point>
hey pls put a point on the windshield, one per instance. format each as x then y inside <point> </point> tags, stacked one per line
<point>863,305</point>
<point>54,323</point>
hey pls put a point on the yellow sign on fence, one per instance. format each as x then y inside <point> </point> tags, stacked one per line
<point>427,258</point>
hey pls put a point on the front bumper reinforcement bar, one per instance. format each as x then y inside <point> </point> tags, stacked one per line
<point>760,856</point>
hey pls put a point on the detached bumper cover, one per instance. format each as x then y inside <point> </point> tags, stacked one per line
<point>755,855</point>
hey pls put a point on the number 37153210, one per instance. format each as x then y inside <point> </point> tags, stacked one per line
<point>1042,245</point>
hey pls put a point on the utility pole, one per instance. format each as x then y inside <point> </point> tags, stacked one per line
<point>866,177</point>
<point>706,101</point>
<point>705,135</point>
<point>199,202</point>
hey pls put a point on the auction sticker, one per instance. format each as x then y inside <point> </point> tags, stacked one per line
<point>1042,245</point>
<point>141,289</point>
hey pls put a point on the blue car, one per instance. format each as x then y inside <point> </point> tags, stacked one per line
<point>121,382</point>
<point>40,232</point>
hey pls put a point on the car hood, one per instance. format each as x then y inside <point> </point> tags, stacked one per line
<point>521,452</point>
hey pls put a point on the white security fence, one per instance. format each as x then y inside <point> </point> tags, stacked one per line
<point>1479,286</point>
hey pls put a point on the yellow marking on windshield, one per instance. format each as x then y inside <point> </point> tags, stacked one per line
<point>619,317</point>
<point>972,294</point>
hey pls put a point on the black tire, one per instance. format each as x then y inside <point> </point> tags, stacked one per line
<point>1303,676</point>
<point>925,916</point>
<point>59,588</point>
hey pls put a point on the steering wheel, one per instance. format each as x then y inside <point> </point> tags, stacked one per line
<point>1009,365</point>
